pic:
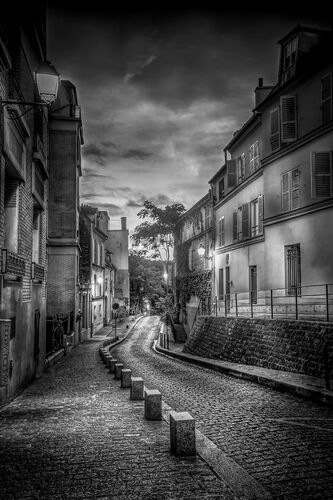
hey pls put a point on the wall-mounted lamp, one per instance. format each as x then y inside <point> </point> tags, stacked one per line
<point>202,251</point>
<point>47,80</point>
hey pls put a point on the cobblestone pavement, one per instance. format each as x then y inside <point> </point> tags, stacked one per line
<point>282,441</point>
<point>74,433</point>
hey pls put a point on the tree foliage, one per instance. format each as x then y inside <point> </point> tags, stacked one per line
<point>146,280</point>
<point>154,236</point>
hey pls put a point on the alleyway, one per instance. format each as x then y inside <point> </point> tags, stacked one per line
<point>75,433</point>
<point>282,441</point>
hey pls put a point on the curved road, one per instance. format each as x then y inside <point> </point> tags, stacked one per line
<point>282,441</point>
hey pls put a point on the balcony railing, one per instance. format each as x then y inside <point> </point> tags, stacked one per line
<point>37,272</point>
<point>11,263</point>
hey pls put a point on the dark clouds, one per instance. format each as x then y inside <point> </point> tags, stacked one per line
<point>163,90</point>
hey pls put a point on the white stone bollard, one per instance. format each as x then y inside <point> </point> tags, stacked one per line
<point>117,370</point>
<point>136,388</point>
<point>182,434</point>
<point>153,404</point>
<point>126,378</point>
<point>112,366</point>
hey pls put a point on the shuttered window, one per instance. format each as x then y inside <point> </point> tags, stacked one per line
<point>234,227</point>
<point>321,174</point>
<point>241,167</point>
<point>245,220</point>
<point>275,129</point>
<point>288,118</point>
<point>221,285</point>
<point>290,190</point>
<point>261,214</point>
<point>221,232</point>
<point>232,173</point>
<point>326,98</point>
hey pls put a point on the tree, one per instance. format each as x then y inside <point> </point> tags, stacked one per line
<point>154,237</point>
<point>146,281</point>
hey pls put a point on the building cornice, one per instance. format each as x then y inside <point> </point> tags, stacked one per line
<point>251,241</point>
<point>300,212</point>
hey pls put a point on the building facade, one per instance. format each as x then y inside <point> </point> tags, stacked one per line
<point>117,245</point>
<point>65,141</point>
<point>24,172</point>
<point>193,254</point>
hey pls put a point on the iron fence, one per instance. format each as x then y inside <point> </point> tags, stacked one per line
<point>313,302</point>
<point>57,326</point>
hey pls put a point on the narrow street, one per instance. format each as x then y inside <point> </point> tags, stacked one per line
<point>282,441</point>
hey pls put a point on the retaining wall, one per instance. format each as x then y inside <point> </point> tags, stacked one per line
<point>294,346</point>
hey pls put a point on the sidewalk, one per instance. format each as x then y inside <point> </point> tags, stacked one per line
<point>294,383</point>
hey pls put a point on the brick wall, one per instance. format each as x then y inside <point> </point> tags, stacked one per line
<point>295,346</point>
<point>61,284</point>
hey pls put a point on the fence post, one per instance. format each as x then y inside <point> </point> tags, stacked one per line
<point>326,366</point>
<point>271,304</point>
<point>327,310</point>
<point>236,305</point>
<point>296,303</point>
<point>251,302</point>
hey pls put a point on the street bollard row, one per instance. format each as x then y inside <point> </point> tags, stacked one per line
<point>182,424</point>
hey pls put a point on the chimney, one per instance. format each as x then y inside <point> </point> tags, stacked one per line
<point>261,92</point>
<point>123,223</point>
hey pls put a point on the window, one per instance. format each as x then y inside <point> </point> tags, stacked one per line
<point>290,190</point>
<point>321,174</point>
<point>232,173</point>
<point>288,118</point>
<point>254,217</point>
<point>290,52</point>
<point>241,167</point>
<point>326,98</point>
<point>253,289</point>
<point>221,232</point>
<point>239,223</point>
<point>275,129</point>
<point>254,156</point>
<point>36,235</point>
<point>293,269</point>
<point>221,285</point>
<point>221,189</point>
<point>11,214</point>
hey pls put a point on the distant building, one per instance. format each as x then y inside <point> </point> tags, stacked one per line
<point>65,141</point>
<point>117,245</point>
<point>193,253</point>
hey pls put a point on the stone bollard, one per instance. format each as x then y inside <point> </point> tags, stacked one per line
<point>182,434</point>
<point>136,388</point>
<point>117,370</point>
<point>126,378</point>
<point>112,366</point>
<point>153,404</point>
<point>107,360</point>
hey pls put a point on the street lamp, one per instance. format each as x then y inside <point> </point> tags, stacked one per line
<point>47,80</point>
<point>202,251</point>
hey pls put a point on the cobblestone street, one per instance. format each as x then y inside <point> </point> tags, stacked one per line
<point>74,433</point>
<point>282,441</point>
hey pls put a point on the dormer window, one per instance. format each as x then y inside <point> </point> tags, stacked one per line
<point>289,59</point>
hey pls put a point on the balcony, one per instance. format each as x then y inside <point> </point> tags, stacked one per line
<point>11,263</point>
<point>37,272</point>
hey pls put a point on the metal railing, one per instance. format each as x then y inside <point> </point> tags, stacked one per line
<point>11,263</point>
<point>313,302</point>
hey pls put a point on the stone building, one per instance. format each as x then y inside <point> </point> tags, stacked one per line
<point>117,245</point>
<point>24,172</point>
<point>65,141</point>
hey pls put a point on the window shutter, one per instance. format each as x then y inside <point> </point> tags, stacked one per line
<point>261,214</point>
<point>275,129</point>
<point>295,186</point>
<point>232,173</point>
<point>245,220</point>
<point>326,98</point>
<point>288,118</point>
<point>285,192</point>
<point>234,226</point>
<point>321,174</point>
<point>251,158</point>
<point>256,155</point>
<point>221,231</point>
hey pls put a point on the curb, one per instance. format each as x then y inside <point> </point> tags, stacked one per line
<point>322,396</point>
<point>110,344</point>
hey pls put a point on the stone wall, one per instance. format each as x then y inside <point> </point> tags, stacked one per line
<point>294,346</point>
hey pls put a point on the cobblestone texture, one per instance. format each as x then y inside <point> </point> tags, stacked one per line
<point>75,433</point>
<point>283,441</point>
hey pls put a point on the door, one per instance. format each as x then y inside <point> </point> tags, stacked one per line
<point>253,284</point>
<point>36,337</point>
<point>227,288</point>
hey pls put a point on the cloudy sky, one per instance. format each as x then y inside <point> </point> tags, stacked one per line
<point>162,91</point>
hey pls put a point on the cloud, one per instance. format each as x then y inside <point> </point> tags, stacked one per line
<point>136,154</point>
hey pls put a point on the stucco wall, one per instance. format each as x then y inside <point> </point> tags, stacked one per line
<point>294,346</point>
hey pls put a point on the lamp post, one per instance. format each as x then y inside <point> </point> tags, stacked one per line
<point>47,80</point>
